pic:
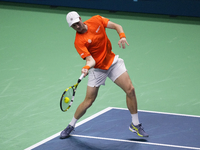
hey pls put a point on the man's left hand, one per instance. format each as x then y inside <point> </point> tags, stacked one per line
<point>122,42</point>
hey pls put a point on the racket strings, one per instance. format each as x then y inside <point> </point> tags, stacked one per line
<point>68,94</point>
<point>68,97</point>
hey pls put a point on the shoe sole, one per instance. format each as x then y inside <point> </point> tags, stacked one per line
<point>61,137</point>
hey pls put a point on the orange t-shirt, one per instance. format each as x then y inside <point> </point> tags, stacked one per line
<point>95,42</point>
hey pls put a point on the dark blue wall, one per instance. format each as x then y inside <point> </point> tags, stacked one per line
<point>168,7</point>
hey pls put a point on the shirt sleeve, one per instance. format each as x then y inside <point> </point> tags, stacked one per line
<point>103,20</point>
<point>82,50</point>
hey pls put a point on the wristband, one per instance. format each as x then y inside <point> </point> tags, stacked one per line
<point>122,35</point>
<point>86,67</point>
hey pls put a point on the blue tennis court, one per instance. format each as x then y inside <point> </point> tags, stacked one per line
<point>108,130</point>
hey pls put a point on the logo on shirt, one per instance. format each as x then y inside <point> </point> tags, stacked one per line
<point>98,29</point>
<point>89,41</point>
<point>82,54</point>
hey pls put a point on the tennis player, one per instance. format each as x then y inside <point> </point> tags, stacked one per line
<point>93,45</point>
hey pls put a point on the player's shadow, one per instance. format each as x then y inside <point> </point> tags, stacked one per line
<point>138,140</point>
<point>76,143</point>
<point>92,144</point>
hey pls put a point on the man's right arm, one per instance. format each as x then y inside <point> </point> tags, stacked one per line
<point>90,63</point>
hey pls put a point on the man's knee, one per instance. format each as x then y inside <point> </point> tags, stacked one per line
<point>88,102</point>
<point>131,91</point>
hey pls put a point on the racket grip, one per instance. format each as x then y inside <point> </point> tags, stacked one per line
<point>81,77</point>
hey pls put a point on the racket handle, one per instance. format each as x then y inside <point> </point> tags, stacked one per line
<point>81,77</point>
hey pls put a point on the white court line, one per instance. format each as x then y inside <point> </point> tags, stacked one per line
<point>129,141</point>
<point>96,115</point>
<point>165,113</point>
<point>78,124</point>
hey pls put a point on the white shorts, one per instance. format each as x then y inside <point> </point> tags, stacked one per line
<point>98,77</point>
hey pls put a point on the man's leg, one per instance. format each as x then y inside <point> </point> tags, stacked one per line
<point>91,95</point>
<point>125,83</point>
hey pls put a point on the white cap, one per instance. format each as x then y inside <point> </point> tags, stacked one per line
<point>72,17</point>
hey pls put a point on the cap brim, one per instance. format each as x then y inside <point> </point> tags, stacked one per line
<point>74,21</point>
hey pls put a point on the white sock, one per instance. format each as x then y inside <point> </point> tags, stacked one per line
<point>135,119</point>
<point>73,122</point>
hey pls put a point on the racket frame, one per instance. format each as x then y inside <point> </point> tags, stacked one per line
<point>74,87</point>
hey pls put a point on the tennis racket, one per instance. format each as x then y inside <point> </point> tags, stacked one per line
<point>68,95</point>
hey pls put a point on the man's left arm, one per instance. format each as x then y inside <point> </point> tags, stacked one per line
<point>120,31</point>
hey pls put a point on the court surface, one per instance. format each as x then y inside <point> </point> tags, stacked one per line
<point>38,62</point>
<point>108,129</point>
